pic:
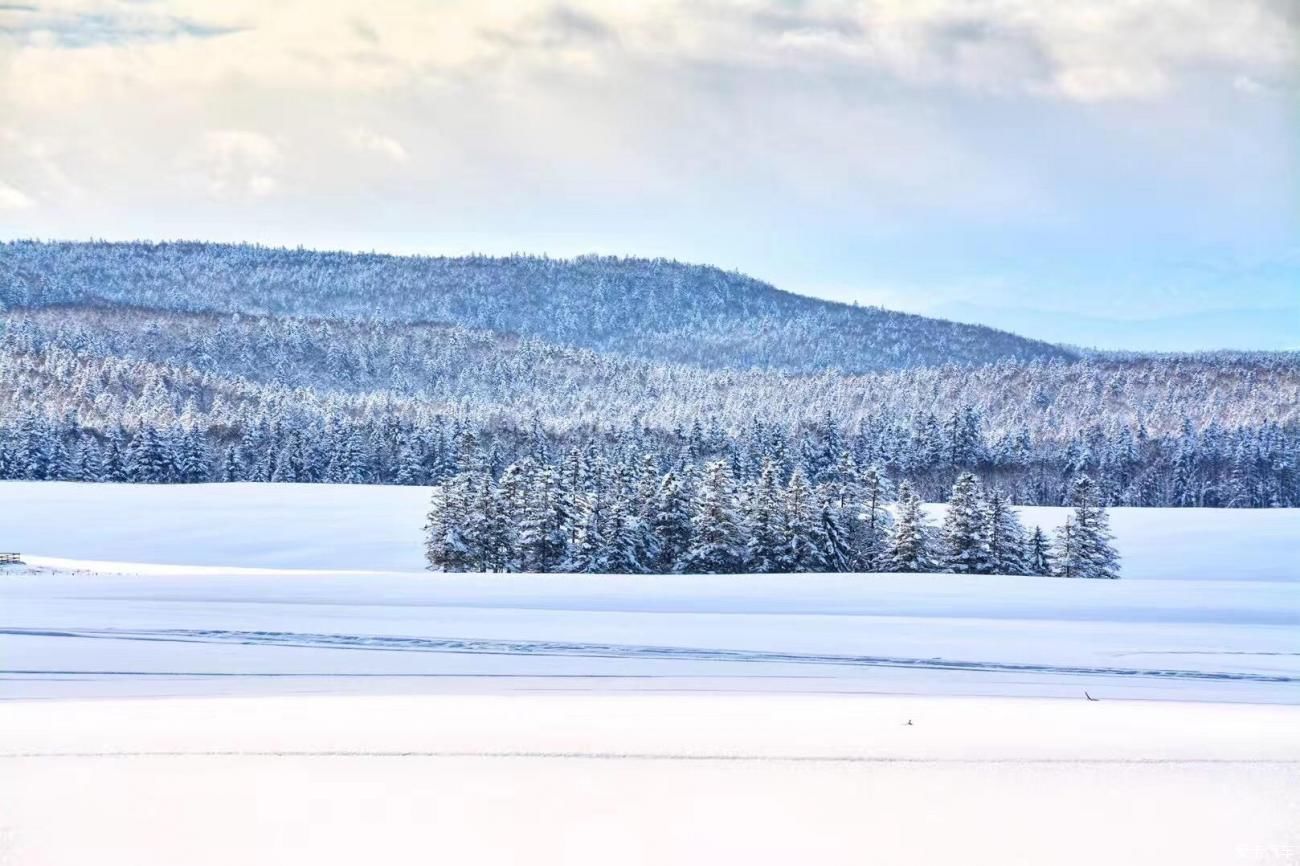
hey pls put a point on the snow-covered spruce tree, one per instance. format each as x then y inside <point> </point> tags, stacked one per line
<point>647,485</point>
<point>587,554</point>
<point>838,553</point>
<point>60,465</point>
<point>717,546</point>
<point>671,525</point>
<point>802,544</point>
<point>909,545</point>
<point>31,456</point>
<point>627,539</point>
<point>191,458</point>
<point>544,527</point>
<point>149,460</point>
<point>487,528</point>
<point>965,537</point>
<point>90,461</point>
<point>410,468</point>
<point>1065,550</point>
<point>762,516</point>
<point>448,545</point>
<point>1087,550</point>
<point>115,460</point>
<point>348,463</point>
<point>512,506</point>
<point>232,464</point>
<point>1038,556</point>
<point>643,507</point>
<point>872,523</point>
<point>1006,537</point>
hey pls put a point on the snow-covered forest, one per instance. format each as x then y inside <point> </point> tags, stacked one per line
<point>591,518</point>
<point>652,308</point>
<point>195,362</point>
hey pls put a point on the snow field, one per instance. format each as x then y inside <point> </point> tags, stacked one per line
<point>304,588</point>
<point>378,528</point>
<point>314,697</point>
<point>649,779</point>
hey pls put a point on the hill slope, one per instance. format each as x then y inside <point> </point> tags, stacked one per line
<point>654,309</point>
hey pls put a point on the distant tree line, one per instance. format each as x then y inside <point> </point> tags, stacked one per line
<point>592,517</point>
<point>1245,467</point>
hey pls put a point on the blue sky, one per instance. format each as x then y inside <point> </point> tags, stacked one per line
<point>1123,173</point>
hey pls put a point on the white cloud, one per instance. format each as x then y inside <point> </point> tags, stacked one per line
<point>235,162</point>
<point>14,199</point>
<point>367,140</point>
<point>1102,49</point>
<point>1108,82</point>
<point>1246,84</point>
<point>261,184</point>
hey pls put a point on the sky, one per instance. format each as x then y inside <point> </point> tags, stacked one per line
<point>1119,173</point>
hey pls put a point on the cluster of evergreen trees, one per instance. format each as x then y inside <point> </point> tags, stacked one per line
<point>593,517</point>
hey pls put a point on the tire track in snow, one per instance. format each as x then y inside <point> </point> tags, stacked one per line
<point>387,643</point>
<point>720,757</point>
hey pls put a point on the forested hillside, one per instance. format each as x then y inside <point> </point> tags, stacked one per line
<point>179,363</point>
<point>649,308</point>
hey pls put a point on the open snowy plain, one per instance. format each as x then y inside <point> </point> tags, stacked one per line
<point>260,673</point>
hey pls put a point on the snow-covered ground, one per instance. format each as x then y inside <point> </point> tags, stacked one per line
<point>360,527</point>
<point>232,589</point>
<point>647,779</point>
<point>319,698</point>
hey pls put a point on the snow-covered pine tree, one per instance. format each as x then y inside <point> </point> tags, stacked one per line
<point>647,484</point>
<point>717,546</point>
<point>446,546</point>
<point>189,452</point>
<point>232,464</point>
<point>60,465</point>
<point>644,507</point>
<point>487,530</point>
<point>873,523</point>
<point>512,493</point>
<point>1005,535</point>
<point>7,461</point>
<point>801,544</point>
<point>32,458</point>
<point>347,461</point>
<point>90,460</point>
<point>544,527</point>
<point>1065,550</point>
<point>837,553</point>
<point>1038,558</point>
<point>627,539</point>
<point>148,458</point>
<point>909,545</point>
<point>587,555</point>
<point>762,515</point>
<point>1094,555</point>
<point>671,525</point>
<point>410,465</point>
<point>115,462</point>
<point>965,541</point>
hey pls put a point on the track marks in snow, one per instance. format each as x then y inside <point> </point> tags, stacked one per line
<point>387,643</point>
<point>721,757</point>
